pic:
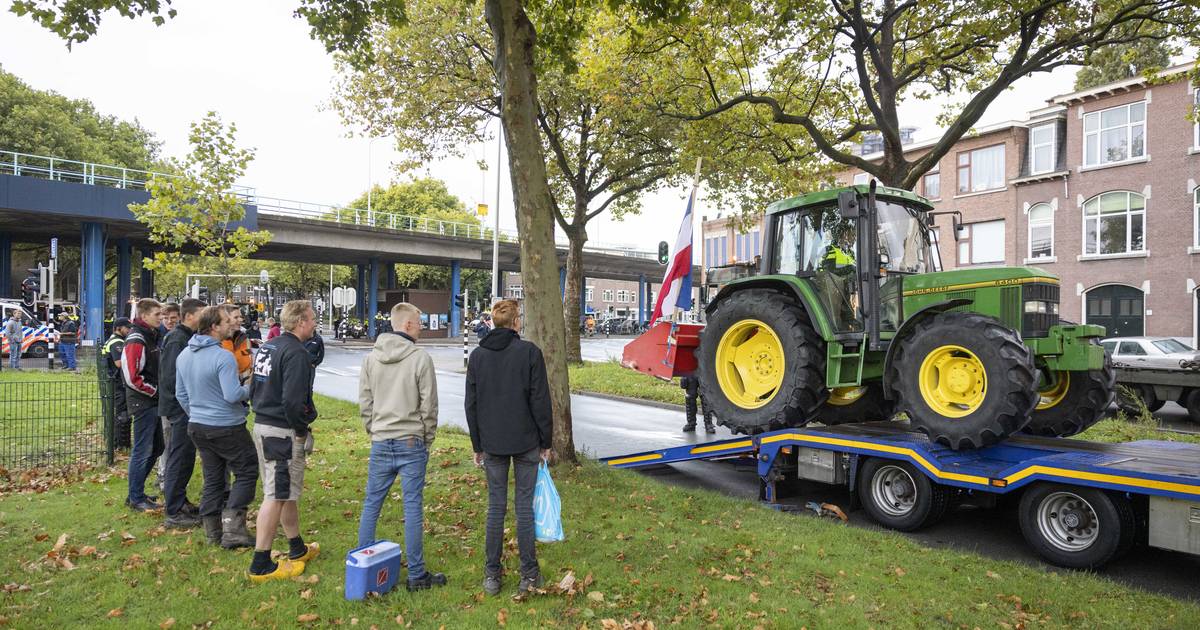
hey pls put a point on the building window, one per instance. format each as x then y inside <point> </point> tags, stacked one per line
<point>981,243</point>
<point>738,249</point>
<point>608,295</point>
<point>1114,223</point>
<point>1196,216</point>
<point>862,178</point>
<point>1041,231</point>
<point>1196,125</point>
<point>1041,148</point>
<point>516,292</point>
<point>933,185</point>
<point>1115,134</point>
<point>587,294</point>
<point>981,169</point>
<point>757,236</point>
<point>723,250</point>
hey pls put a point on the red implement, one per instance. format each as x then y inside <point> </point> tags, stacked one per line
<point>659,354</point>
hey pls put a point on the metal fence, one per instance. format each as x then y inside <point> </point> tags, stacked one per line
<point>52,423</point>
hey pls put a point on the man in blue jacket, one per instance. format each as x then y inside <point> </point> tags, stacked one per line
<point>208,390</point>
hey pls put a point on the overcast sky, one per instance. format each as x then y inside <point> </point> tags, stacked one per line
<point>254,63</point>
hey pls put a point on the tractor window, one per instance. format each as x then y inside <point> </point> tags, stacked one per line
<point>903,244</point>
<point>787,244</point>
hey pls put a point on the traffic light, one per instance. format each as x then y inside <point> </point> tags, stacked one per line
<point>663,253</point>
<point>202,294</point>
<point>458,300</point>
<point>29,288</point>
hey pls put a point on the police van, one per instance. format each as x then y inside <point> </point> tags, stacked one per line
<point>36,343</point>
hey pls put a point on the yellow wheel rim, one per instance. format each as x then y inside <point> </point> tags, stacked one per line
<point>1055,393</point>
<point>953,381</point>
<point>842,396</point>
<point>750,364</point>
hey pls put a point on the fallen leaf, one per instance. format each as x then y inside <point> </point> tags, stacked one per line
<point>167,623</point>
<point>993,575</point>
<point>502,617</point>
<point>306,593</point>
<point>596,596</point>
<point>116,612</point>
<point>42,537</point>
<point>62,540</point>
<point>732,578</point>
<point>307,618</point>
<point>901,572</point>
<point>400,620</point>
<point>567,582</point>
<point>753,598</point>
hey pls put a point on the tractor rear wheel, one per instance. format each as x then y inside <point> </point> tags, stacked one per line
<point>1073,402</point>
<point>762,364</point>
<point>964,379</point>
<point>865,403</point>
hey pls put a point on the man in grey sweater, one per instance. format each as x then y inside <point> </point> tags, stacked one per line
<point>207,387</point>
<point>397,396</point>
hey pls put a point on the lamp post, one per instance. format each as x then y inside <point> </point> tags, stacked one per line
<point>370,181</point>
<point>496,213</point>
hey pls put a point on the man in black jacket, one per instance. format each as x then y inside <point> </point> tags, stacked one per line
<point>139,370</point>
<point>508,413</point>
<point>180,450</point>
<point>281,394</point>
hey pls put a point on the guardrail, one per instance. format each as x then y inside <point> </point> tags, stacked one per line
<point>58,169</point>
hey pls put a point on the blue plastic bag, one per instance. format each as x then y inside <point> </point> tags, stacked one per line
<point>547,509</point>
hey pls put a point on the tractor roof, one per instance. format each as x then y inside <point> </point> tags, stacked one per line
<point>823,197</point>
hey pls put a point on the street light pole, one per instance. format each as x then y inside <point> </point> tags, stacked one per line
<point>370,182</point>
<point>496,219</point>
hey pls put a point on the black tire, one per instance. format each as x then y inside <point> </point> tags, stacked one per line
<point>802,391</point>
<point>869,407</point>
<point>1144,392</point>
<point>1010,394</point>
<point>39,350</point>
<point>1102,526</point>
<point>899,497</point>
<point>1086,401</point>
<point>1191,401</point>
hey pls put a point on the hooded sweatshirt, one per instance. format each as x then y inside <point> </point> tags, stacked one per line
<point>206,384</point>
<point>507,398</point>
<point>397,390</point>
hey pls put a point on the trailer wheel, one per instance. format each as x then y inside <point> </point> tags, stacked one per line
<point>964,379</point>
<point>865,403</point>
<point>762,364</point>
<point>1078,528</point>
<point>899,497</point>
<point>1192,403</point>
<point>1074,402</point>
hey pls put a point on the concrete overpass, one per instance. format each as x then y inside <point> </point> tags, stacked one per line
<point>41,198</point>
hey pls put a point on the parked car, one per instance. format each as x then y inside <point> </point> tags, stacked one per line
<point>1151,352</point>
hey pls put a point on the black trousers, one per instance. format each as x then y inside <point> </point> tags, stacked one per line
<point>181,462</point>
<point>224,450</point>
<point>524,467</point>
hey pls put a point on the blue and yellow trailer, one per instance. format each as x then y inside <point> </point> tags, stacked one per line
<point>1082,503</point>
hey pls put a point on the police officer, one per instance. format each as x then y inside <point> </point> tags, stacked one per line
<point>67,336</point>
<point>112,358</point>
<point>691,388</point>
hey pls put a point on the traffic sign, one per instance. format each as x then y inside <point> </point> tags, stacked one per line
<point>54,247</point>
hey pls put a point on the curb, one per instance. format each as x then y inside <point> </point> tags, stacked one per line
<point>632,400</point>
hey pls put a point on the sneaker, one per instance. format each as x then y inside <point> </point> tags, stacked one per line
<point>528,584</point>
<point>283,570</point>
<point>427,581</point>
<point>182,520</point>
<point>491,584</point>
<point>145,506</point>
<point>190,508</point>
<point>312,551</point>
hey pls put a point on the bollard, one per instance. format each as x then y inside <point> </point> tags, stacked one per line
<point>465,352</point>
<point>50,343</point>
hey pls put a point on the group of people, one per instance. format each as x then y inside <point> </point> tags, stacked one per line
<point>203,379</point>
<point>66,336</point>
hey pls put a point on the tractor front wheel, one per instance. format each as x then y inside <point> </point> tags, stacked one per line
<point>1072,401</point>
<point>865,403</point>
<point>964,379</point>
<point>762,365</point>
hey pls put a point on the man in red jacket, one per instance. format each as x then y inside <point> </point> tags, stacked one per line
<point>139,370</point>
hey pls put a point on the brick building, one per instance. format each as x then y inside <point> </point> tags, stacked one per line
<point>603,298</point>
<point>1099,188</point>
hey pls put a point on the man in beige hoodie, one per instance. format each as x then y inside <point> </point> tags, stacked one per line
<point>397,396</point>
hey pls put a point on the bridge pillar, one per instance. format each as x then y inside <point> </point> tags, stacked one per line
<point>6,265</point>
<point>391,275</point>
<point>124,253</point>
<point>455,291</point>
<point>146,281</point>
<point>92,302</point>
<point>372,297</point>
<point>499,286</point>
<point>361,288</point>
<point>643,297</point>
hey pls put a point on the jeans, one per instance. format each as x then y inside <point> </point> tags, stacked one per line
<point>68,355</point>
<point>14,356</point>
<point>223,450</point>
<point>147,446</point>
<point>524,478</point>
<point>181,461</point>
<point>406,457</point>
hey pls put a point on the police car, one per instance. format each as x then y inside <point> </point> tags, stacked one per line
<point>36,343</point>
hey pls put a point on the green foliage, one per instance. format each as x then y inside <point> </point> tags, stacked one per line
<point>1122,61</point>
<point>198,208</point>
<point>76,20</point>
<point>41,122</point>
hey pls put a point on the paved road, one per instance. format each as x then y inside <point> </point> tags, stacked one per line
<point>604,427</point>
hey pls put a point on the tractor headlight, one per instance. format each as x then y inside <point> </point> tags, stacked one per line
<point>1040,306</point>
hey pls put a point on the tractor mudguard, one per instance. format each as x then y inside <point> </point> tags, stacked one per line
<point>907,326</point>
<point>797,286</point>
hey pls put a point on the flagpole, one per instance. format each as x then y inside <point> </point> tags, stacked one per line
<point>692,203</point>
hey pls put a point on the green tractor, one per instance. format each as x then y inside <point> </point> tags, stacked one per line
<point>851,320</point>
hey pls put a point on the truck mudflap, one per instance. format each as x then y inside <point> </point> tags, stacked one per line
<point>1071,347</point>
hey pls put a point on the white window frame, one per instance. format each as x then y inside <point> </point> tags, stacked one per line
<point>925,184</point>
<point>1195,217</point>
<point>966,244</point>
<point>1099,115</point>
<point>516,291</point>
<point>1129,214</point>
<point>587,294</point>
<point>1196,124</point>
<point>1033,170</point>
<point>1029,231</point>
<point>608,295</point>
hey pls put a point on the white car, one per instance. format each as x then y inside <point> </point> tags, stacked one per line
<point>1149,352</point>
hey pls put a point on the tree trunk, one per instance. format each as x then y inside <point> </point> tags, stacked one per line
<point>576,237</point>
<point>515,39</point>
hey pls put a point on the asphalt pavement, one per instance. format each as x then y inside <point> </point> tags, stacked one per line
<point>605,427</point>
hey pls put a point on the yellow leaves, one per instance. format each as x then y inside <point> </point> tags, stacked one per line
<point>308,617</point>
<point>167,623</point>
<point>900,572</point>
<point>994,575</point>
<point>625,624</point>
<point>114,613</point>
<point>596,596</point>
<point>502,617</point>
<point>306,593</point>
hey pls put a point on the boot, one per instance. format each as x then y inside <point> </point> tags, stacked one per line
<point>212,529</point>
<point>233,530</point>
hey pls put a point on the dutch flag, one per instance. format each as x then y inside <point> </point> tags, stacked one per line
<point>676,293</point>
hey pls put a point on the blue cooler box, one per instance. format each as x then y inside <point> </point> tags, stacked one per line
<point>373,568</point>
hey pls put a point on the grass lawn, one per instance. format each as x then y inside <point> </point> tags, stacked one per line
<point>608,377</point>
<point>75,556</point>
<point>48,417</point>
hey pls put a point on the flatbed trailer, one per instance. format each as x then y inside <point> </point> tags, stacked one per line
<point>1157,386</point>
<point>1082,503</point>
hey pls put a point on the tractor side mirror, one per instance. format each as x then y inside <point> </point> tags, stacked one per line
<point>848,204</point>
